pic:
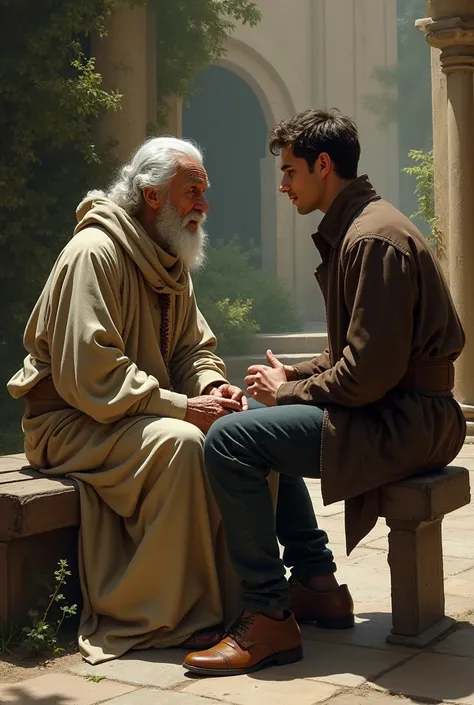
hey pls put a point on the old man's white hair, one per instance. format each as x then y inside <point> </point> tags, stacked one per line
<point>154,164</point>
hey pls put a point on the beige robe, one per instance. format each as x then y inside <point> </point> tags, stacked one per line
<point>153,563</point>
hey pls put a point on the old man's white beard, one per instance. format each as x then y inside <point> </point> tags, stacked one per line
<point>188,246</point>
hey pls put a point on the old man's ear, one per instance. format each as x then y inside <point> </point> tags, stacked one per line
<point>152,197</point>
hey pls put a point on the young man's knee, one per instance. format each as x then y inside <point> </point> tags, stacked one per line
<point>212,442</point>
<point>215,445</point>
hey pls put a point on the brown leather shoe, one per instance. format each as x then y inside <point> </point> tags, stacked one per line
<point>330,610</point>
<point>252,642</point>
<point>203,639</point>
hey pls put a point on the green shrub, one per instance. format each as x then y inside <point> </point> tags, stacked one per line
<point>232,322</point>
<point>238,299</point>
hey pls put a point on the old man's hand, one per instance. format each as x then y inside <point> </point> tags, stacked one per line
<point>263,382</point>
<point>229,391</point>
<point>204,410</point>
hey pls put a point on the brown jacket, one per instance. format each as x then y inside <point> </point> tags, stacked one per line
<point>386,379</point>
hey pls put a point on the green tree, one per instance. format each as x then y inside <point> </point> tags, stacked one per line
<point>50,93</point>
<point>50,99</point>
<point>191,34</point>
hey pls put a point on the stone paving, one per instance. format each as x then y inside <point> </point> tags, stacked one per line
<point>355,667</point>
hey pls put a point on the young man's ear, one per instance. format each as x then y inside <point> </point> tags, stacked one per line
<point>325,164</point>
<point>152,198</point>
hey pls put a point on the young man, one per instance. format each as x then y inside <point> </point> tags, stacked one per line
<point>375,407</point>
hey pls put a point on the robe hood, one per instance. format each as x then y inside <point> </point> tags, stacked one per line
<point>164,272</point>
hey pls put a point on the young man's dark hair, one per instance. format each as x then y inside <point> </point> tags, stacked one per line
<point>313,132</point>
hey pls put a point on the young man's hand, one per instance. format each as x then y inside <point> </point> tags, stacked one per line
<point>263,382</point>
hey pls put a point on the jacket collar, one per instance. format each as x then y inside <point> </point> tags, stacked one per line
<point>345,207</point>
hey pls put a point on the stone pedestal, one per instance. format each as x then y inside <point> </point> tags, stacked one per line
<point>416,560</point>
<point>450,30</point>
<point>414,509</point>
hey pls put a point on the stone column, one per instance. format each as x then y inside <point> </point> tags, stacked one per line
<point>152,72</point>
<point>461,222</point>
<point>440,149</point>
<point>123,59</point>
<point>454,36</point>
<point>174,124</point>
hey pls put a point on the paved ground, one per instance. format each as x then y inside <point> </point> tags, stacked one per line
<point>356,667</point>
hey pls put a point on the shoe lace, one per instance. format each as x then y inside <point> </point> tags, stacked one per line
<point>239,626</point>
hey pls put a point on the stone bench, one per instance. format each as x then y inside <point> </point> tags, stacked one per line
<point>39,520</point>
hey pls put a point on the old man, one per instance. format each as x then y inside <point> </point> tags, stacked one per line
<point>121,382</point>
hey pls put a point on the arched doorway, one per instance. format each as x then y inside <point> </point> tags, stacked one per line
<point>225,118</point>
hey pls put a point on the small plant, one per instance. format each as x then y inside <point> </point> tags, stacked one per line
<point>42,634</point>
<point>94,679</point>
<point>423,171</point>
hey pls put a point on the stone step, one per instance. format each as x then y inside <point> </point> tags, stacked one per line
<point>237,366</point>
<point>287,343</point>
